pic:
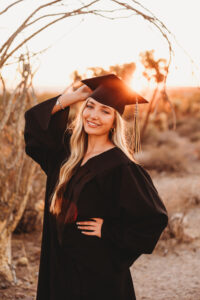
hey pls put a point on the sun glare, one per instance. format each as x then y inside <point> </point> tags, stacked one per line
<point>138,84</point>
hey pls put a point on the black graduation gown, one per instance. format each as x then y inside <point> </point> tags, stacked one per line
<point>108,186</point>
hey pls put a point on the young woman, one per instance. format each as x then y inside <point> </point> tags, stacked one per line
<point>102,210</point>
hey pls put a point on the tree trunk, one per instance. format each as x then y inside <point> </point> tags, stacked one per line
<point>12,205</point>
<point>32,217</point>
<point>6,274</point>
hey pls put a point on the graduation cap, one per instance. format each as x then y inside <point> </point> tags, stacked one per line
<point>112,91</point>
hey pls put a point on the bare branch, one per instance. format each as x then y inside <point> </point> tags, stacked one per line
<point>157,23</point>
<point>127,6</point>
<point>72,13</point>
<point>22,26</point>
<point>152,19</point>
<point>155,18</point>
<point>96,12</point>
<point>17,58</point>
<point>33,54</point>
<point>45,16</point>
<point>7,8</point>
<point>31,36</point>
<point>112,10</point>
<point>112,18</point>
<point>166,98</point>
<point>4,89</point>
<point>8,109</point>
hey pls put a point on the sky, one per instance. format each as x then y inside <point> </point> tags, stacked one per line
<point>78,43</point>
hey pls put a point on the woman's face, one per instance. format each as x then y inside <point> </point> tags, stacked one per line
<point>98,118</point>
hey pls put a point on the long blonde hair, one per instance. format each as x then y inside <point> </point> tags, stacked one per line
<point>78,142</point>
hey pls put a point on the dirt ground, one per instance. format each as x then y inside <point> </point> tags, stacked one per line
<point>172,272</point>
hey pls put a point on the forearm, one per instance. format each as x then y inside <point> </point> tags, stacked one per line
<point>65,100</point>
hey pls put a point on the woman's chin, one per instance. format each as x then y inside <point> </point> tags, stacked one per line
<point>90,130</point>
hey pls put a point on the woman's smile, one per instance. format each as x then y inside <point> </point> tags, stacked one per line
<point>92,124</point>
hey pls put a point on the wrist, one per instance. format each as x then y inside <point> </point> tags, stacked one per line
<point>68,99</point>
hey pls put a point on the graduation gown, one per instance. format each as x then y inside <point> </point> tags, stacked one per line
<point>108,186</point>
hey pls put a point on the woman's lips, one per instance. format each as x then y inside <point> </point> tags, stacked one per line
<point>91,124</point>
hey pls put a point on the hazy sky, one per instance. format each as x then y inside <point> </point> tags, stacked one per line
<point>95,41</point>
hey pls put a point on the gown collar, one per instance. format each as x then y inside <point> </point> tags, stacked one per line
<point>104,161</point>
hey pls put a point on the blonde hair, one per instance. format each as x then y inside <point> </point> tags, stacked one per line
<point>78,142</point>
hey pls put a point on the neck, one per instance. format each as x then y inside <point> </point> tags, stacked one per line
<point>98,143</point>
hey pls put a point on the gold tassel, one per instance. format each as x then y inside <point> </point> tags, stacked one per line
<point>137,144</point>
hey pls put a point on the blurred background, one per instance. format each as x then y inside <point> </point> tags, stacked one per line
<point>152,45</point>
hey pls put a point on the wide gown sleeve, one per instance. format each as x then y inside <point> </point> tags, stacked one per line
<point>143,215</point>
<point>43,133</point>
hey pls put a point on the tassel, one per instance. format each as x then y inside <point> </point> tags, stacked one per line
<point>137,144</point>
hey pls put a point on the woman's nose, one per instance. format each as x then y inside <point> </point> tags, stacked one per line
<point>94,114</point>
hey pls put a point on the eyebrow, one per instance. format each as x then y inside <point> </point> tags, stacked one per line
<point>104,106</point>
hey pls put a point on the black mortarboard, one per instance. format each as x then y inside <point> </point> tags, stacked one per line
<point>112,91</point>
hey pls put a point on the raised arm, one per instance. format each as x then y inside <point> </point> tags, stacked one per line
<point>45,124</point>
<point>69,97</point>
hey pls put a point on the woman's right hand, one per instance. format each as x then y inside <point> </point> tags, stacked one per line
<point>82,93</point>
<point>69,97</point>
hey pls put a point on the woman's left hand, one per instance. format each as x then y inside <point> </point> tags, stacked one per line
<point>91,225</point>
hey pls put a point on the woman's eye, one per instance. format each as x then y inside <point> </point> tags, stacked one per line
<point>90,106</point>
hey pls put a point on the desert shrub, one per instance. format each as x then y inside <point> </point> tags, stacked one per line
<point>151,135</point>
<point>195,136</point>
<point>188,126</point>
<point>182,199</point>
<point>178,193</point>
<point>164,159</point>
<point>168,152</point>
